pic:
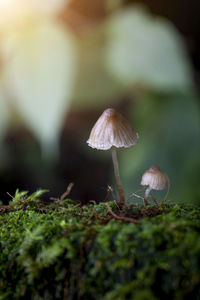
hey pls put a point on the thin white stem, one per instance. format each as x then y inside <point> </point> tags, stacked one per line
<point>116,170</point>
<point>146,195</point>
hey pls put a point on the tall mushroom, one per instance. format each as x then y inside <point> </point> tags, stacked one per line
<point>156,180</point>
<point>112,131</point>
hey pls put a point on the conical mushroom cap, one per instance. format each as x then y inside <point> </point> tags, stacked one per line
<point>155,178</point>
<point>112,129</point>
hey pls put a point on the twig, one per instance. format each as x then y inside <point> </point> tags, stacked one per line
<point>93,213</point>
<point>137,196</point>
<point>120,217</point>
<point>116,204</point>
<point>55,199</point>
<point>140,197</point>
<point>77,205</point>
<point>9,195</point>
<point>67,192</point>
<point>109,190</point>
<point>93,202</point>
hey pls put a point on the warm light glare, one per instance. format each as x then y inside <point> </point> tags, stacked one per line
<point>18,10</point>
<point>8,6</point>
<point>10,11</point>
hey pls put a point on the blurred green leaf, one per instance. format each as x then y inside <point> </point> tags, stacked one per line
<point>12,13</point>
<point>147,50</point>
<point>94,86</point>
<point>39,65</point>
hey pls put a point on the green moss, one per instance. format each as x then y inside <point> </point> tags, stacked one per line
<point>64,251</point>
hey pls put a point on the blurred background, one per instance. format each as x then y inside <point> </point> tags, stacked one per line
<point>63,62</point>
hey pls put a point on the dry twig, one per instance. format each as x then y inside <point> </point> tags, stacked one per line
<point>67,192</point>
<point>93,202</point>
<point>9,195</point>
<point>132,220</point>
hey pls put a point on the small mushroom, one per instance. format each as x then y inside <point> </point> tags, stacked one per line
<point>156,180</point>
<point>112,131</point>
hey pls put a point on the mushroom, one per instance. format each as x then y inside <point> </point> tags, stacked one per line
<point>156,180</point>
<point>112,131</point>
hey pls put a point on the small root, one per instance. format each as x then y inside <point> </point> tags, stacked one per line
<point>54,199</point>
<point>117,204</point>
<point>144,200</point>
<point>67,192</point>
<point>93,213</point>
<point>10,195</point>
<point>77,205</point>
<point>127,219</point>
<point>93,202</point>
<point>109,192</point>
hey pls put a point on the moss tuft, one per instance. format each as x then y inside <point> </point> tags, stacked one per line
<point>65,251</point>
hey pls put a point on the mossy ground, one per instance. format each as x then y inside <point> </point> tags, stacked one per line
<point>63,250</point>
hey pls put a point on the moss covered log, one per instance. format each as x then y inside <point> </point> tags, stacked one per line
<point>63,250</point>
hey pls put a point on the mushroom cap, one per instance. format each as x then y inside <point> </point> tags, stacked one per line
<point>155,178</point>
<point>112,129</point>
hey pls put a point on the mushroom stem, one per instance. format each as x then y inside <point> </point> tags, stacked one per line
<point>146,195</point>
<point>116,170</point>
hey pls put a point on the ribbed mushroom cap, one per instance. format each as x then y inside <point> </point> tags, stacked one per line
<point>112,129</point>
<point>155,178</point>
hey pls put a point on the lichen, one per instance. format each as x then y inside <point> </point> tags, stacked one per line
<point>62,250</point>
